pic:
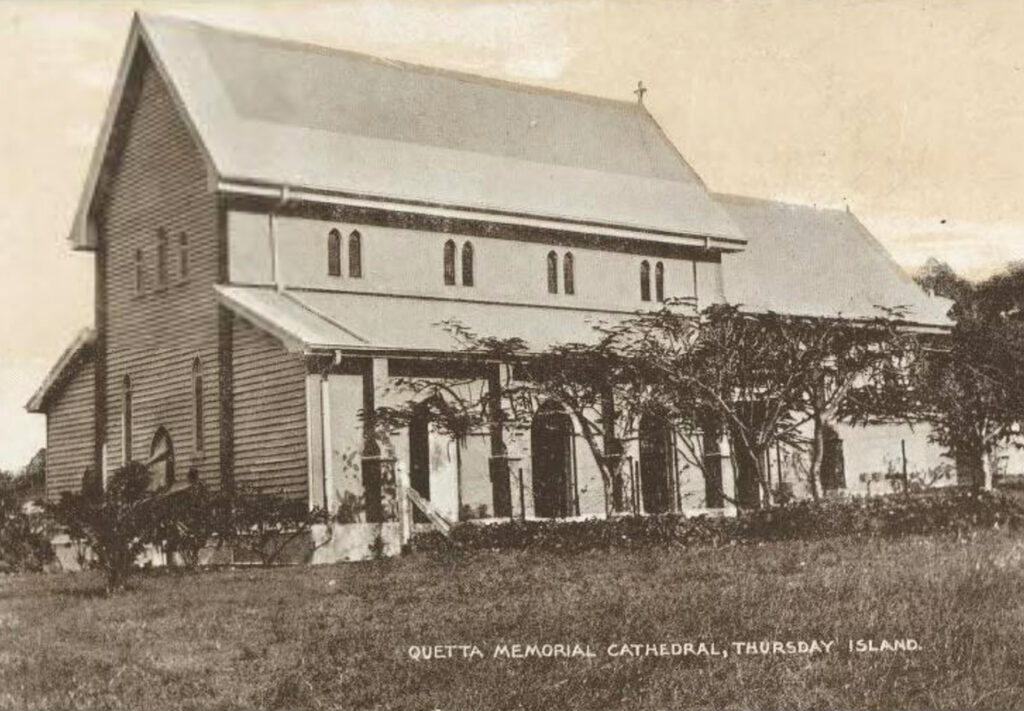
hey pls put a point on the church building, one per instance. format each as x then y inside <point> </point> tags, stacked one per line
<point>278,230</point>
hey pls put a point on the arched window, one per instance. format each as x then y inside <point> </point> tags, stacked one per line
<point>552,273</point>
<point>126,419</point>
<point>449,263</point>
<point>467,264</point>
<point>355,255</point>
<point>645,281</point>
<point>197,404</point>
<point>161,460</point>
<point>183,256</point>
<point>568,277</point>
<point>140,272</point>
<point>334,253</point>
<point>659,282</point>
<point>161,259</point>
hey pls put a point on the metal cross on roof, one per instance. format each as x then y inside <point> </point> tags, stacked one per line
<point>640,91</point>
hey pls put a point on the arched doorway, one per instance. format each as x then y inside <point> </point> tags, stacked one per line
<point>657,465</point>
<point>551,447</point>
<point>161,460</point>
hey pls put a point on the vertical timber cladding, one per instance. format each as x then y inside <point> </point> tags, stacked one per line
<point>270,428</point>
<point>69,433</point>
<point>158,181</point>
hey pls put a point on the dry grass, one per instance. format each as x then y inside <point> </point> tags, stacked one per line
<point>338,636</point>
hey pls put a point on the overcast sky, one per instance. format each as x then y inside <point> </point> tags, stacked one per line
<point>910,112</point>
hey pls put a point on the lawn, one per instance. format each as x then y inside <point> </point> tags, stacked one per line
<point>339,636</point>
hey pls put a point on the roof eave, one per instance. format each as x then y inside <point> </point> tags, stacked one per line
<point>241,186</point>
<point>57,376</point>
<point>83,235</point>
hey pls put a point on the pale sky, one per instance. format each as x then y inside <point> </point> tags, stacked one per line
<point>910,112</point>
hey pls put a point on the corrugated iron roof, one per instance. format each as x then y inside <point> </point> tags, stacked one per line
<point>280,113</point>
<point>307,320</point>
<point>810,261</point>
<point>80,350</point>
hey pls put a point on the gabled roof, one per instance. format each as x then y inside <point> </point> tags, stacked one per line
<point>70,362</point>
<point>274,114</point>
<point>311,320</point>
<point>810,261</point>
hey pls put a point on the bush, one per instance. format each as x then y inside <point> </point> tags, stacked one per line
<point>186,521</point>
<point>263,525</point>
<point>954,514</point>
<point>24,538</point>
<point>115,523</point>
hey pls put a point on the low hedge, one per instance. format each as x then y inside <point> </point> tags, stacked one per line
<point>953,513</point>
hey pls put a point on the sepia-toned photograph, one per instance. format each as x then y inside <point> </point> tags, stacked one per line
<point>440,354</point>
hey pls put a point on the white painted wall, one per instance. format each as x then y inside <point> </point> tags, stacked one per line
<point>411,262</point>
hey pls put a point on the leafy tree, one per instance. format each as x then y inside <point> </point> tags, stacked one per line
<point>599,384</point>
<point>24,537</point>
<point>970,389</point>
<point>766,376</point>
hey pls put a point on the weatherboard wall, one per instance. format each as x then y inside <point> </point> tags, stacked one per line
<point>270,419</point>
<point>158,181</point>
<point>69,431</point>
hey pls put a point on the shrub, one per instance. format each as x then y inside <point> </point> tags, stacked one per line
<point>956,513</point>
<point>186,521</point>
<point>115,523</point>
<point>263,525</point>
<point>24,538</point>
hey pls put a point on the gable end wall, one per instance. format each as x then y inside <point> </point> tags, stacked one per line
<point>158,180</point>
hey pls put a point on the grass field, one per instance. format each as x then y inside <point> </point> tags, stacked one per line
<point>338,636</point>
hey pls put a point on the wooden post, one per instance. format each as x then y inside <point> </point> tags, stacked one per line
<point>522,496</point>
<point>404,508</point>
<point>906,477</point>
<point>325,430</point>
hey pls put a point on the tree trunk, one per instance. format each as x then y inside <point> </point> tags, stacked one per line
<point>759,456</point>
<point>970,467</point>
<point>817,453</point>
<point>986,471</point>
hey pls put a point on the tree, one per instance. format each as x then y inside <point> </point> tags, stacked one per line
<point>24,537</point>
<point>767,376</point>
<point>599,384</point>
<point>970,390</point>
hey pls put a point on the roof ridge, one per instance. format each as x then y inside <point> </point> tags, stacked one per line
<point>457,74</point>
<point>735,197</point>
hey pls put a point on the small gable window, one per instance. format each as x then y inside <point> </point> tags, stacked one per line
<point>161,259</point>
<point>449,263</point>
<point>334,253</point>
<point>140,272</point>
<point>552,273</point>
<point>197,404</point>
<point>183,264</point>
<point>645,281</point>
<point>659,282</point>
<point>568,275</point>
<point>355,255</point>
<point>467,264</point>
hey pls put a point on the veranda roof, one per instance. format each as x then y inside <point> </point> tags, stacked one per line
<point>308,321</point>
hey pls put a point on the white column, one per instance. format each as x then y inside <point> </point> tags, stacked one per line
<point>728,473</point>
<point>325,424</point>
